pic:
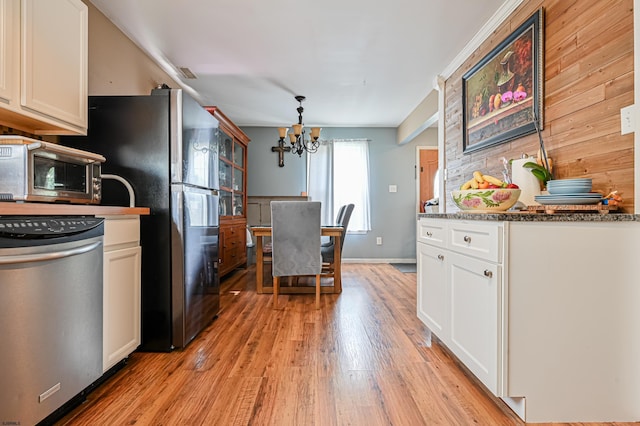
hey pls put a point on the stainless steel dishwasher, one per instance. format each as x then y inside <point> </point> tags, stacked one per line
<point>50,313</point>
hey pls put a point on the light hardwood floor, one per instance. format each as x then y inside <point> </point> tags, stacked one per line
<point>362,359</point>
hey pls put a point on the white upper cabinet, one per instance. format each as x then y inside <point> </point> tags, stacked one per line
<point>43,76</point>
<point>6,51</point>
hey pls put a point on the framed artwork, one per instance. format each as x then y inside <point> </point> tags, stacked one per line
<point>502,94</point>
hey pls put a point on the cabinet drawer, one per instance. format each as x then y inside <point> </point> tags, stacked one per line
<point>231,241</point>
<point>432,232</point>
<point>120,230</point>
<point>236,254</point>
<point>233,245</point>
<point>480,240</point>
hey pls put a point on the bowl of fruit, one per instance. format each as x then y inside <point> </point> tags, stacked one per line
<point>485,194</point>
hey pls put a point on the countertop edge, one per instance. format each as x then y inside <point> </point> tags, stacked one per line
<point>536,217</point>
<point>42,209</point>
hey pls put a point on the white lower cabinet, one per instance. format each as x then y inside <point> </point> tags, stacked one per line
<point>433,291</point>
<point>475,317</point>
<point>121,288</point>
<point>460,293</point>
<point>544,313</point>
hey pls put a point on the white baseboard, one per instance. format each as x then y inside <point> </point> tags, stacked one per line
<point>345,260</point>
<point>518,405</point>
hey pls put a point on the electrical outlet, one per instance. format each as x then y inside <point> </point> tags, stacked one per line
<point>627,122</point>
<point>379,241</point>
<point>393,188</point>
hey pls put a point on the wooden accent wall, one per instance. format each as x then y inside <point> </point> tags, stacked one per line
<point>588,77</point>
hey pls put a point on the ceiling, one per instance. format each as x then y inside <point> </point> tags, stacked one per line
<point>358,62</point>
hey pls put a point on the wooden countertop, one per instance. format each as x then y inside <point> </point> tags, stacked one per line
<point>33,209</point>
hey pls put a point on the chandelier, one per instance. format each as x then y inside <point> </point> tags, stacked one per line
<point>297,138</point>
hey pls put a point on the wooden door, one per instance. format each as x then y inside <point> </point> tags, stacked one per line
<point>428,169</point>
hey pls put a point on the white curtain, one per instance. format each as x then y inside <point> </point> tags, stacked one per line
<point>320,180</point>
<point>338,174</point>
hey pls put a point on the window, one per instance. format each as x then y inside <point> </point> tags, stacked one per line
<point>338,174</point>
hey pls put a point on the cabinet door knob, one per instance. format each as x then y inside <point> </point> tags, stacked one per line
<point>440,257</point>
<point>467,239</point>
<point>488,273</point>
<point>429,234</point>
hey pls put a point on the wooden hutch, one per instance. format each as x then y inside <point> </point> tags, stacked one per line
<point>232,153</point>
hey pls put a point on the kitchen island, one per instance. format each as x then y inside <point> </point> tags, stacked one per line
<point>541,308</point>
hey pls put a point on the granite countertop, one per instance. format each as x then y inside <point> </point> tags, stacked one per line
<point>536,217</point>
<point>49,209</point>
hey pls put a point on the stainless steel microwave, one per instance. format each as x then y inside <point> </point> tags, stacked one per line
<point>33,170</point>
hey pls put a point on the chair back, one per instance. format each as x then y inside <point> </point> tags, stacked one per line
<point>345,222</point>
<point>295,238</point>
<point>340,214</point>
<point>339,217</point>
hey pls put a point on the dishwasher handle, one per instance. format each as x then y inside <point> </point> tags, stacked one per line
<point>41,257</point>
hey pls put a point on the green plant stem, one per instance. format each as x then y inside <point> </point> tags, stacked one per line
<point>542,149</point>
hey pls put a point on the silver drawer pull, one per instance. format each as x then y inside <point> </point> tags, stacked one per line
<point>429,234</point>
<point>467,239</point>
<point>488,273</point>
<point>440,257</point>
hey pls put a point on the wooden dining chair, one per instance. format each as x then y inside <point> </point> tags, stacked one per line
<point>295,242</point>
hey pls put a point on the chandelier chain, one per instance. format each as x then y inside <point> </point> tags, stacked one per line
<point>299,144</point>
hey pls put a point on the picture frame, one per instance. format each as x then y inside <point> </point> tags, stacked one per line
<point>513,72</point>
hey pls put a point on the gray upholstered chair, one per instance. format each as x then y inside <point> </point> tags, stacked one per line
<point>339,216</point>
<point>295,241</point>
<point>327,249</point>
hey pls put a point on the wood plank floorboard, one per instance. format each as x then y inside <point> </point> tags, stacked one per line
<point>364,358</point>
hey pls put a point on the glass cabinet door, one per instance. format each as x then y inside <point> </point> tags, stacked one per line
<point>225,207</point>
<point>237,180</point>
<point>232,176</point>
<point>226,175</point>
<point>238,208</point>
<point>238,155</point>
<point>226,145</point>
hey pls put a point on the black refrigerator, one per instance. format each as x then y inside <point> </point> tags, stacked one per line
<point>166,145</point>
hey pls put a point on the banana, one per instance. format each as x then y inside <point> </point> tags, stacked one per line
<point>493,180</point>
<point>478,178</point>
<point>467,184</point>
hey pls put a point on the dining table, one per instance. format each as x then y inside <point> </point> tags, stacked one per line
<point>260,232</point>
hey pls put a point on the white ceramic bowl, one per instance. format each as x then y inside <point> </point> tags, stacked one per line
<point>485,200</point>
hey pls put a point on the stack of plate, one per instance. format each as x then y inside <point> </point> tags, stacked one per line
<point>569,186</point>
<point>569,191</point>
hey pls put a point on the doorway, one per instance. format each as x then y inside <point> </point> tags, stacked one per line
<point>426,170</point>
